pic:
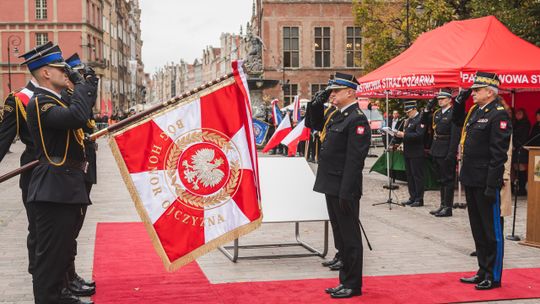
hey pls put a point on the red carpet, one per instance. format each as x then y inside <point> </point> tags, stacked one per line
<point>127,270</point>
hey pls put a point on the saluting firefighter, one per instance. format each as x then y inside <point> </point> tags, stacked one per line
<point>317,122</point>
<point>485,140</point>
<point>444,148</point>
<point>14,125</point>
<point>77,285</point>
<point>57,193</point>
<point>339,176</point>
<point>413,152</point>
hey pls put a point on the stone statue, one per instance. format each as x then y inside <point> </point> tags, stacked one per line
<point>253,61</point>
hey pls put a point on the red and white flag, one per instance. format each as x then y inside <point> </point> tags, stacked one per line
<point>299,133</point>
<point>282,130</point>
<point>191,170</point>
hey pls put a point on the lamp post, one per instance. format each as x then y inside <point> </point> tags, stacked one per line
<point>16,42</point>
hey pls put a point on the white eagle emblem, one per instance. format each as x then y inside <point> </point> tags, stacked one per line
<point>204,169</point>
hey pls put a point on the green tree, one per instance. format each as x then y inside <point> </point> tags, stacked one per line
<point>522,17</point>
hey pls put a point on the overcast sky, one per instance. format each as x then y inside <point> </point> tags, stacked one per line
<point>180,29</point>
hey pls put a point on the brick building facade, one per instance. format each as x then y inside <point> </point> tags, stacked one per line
<point>105,34</point>
<point>305,42</point>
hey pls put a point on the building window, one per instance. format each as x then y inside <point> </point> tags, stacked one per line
<point>322,47</point>
<point>317,87</point>
<point>354,47</point>
<point>41,9</point>
<point>291,47</point>
<point>289,91</point>
<point>42,38</point>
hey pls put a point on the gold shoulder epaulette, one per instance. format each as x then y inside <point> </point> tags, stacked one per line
<point>500,108</point>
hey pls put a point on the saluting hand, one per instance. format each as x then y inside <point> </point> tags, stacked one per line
<point>463,96</point>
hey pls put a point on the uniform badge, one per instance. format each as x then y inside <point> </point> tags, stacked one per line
<point>482,120</point>
<point>503,124</point>
<point>360,130</point>
<point>8,108</point>
<point>45,107</point>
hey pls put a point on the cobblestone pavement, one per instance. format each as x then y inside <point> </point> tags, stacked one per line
<point>405,240</point>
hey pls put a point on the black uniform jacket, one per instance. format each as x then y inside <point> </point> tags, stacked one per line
<point>13,124</point>
<point>90,146</point>
<point>342,154</point>
<point>485,145</point>
<point>413,140</point>
<point>52,127</point>
<point>446,135</point>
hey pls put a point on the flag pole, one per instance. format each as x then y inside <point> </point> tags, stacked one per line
<point>126,122</point>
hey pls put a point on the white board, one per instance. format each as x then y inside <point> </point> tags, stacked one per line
<point>287,191</point>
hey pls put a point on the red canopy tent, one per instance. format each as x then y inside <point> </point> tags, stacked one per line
<point>450,55</point>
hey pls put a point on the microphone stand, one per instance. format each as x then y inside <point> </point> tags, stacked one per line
<point>389,164</point>
<point>514,237</point>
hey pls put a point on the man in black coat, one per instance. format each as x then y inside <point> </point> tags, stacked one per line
<point>57,192</point>
<point>13,126</point>
<point>339,175</point>
<point>444,148</point>
<point>77,285</point>
<point>486,138</point>
<point>413,152</point>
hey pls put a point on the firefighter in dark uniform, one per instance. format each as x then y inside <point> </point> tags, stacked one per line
<point>444,147</point>
<point>14,125</point>
<point>77,285</point>
<point>339,175</point>
<point>56,192</point>
<point>485,140</point>
<point>412,137</point>
<point>317,122</point>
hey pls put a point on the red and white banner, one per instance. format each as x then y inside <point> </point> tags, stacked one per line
<point>299,133</point>
<point>282,130</point>
<point>191,170</point>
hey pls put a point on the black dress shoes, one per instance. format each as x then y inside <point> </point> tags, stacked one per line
<point>475,279</point>
<point>417,204</point>
<point>84,282</point>
<point>79,289</point>
<point>409,202</point>
<point>444,212</point>
<point>346,293</point>
<point>433,212</point>
<point>487,284</point>
<point>334,289</point>
<point>330,262</point>
<point>66,297</point>
<point>337,266</point>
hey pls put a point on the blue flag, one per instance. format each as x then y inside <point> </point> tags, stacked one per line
<point>260,129</point>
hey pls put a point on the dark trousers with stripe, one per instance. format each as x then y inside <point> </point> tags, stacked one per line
<point>55,235</point>
<point>414,168</point>
<point>486,226</point>
<point>346,214</point>
<point>71,270</point>
<point>338,241</point>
